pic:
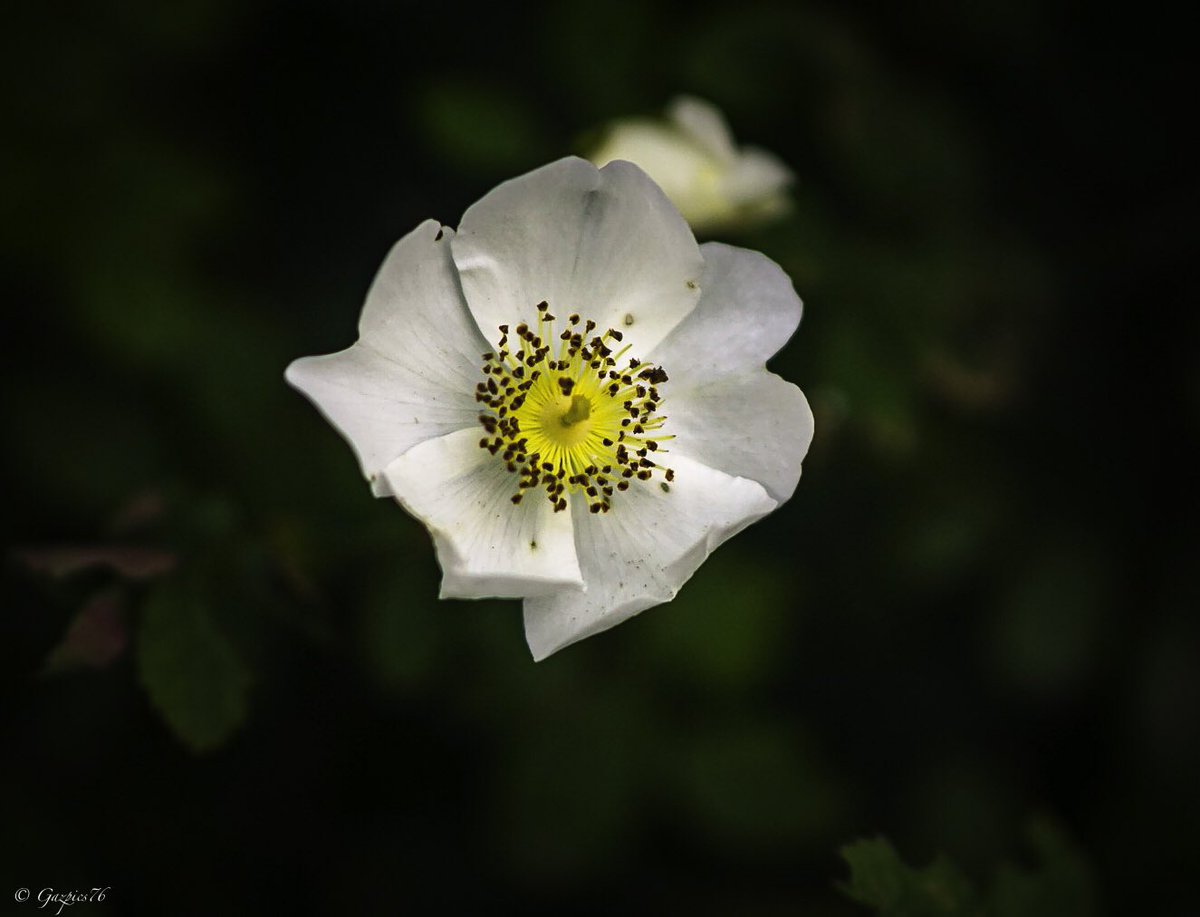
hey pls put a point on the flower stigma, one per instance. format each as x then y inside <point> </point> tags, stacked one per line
<point>568,413</point>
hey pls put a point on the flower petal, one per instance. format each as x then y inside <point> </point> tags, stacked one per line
<point>604,243</point>
<point>642,552</point>
<point>684,171</point>
<point>411,376</point>
<point>755,426</point>
<point>486,545</point>
<point>747,311</point>
<point>704,124</point>
<point>756,176</point>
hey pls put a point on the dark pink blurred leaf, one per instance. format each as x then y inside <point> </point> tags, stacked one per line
<point>95,638</point>
<point>130,562</point>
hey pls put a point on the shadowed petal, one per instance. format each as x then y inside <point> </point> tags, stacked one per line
<point>412,374</point>
<point>747,311</point>
<point>642,552</point>
<point>722,405</point>
<point>486,545</point>
<point>755,426</point>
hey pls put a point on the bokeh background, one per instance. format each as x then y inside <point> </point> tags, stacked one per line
<point>228,685</point>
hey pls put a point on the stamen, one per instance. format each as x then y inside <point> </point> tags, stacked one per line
<point>562,421</point>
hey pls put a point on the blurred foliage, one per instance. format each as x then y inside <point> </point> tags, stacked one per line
<point>1060,885</point>
<point>189,669</point>
<point>979,604</point>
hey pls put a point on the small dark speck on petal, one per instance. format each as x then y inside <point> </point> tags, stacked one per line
<point>533,545</point>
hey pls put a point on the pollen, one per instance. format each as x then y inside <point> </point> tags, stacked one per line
<point>568,411</point>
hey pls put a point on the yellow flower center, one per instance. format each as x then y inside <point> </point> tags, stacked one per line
<point>566,413</point>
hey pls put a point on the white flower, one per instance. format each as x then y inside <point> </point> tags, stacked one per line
<point>571,395</point>
<point>693,158</point>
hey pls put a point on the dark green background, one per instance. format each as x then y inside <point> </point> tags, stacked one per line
<point>978,608</point>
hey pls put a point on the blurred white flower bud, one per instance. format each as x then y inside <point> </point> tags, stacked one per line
<point>692,156</point>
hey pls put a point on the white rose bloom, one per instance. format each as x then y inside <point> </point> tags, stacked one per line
<point>693,158</point>
<point>571,395</point>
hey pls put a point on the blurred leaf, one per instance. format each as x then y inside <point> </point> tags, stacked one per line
<point>880,879</point>
<point>190,671</point>
<point>95,638</point>
<point>877,876</point>
<point>1061,885</point>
